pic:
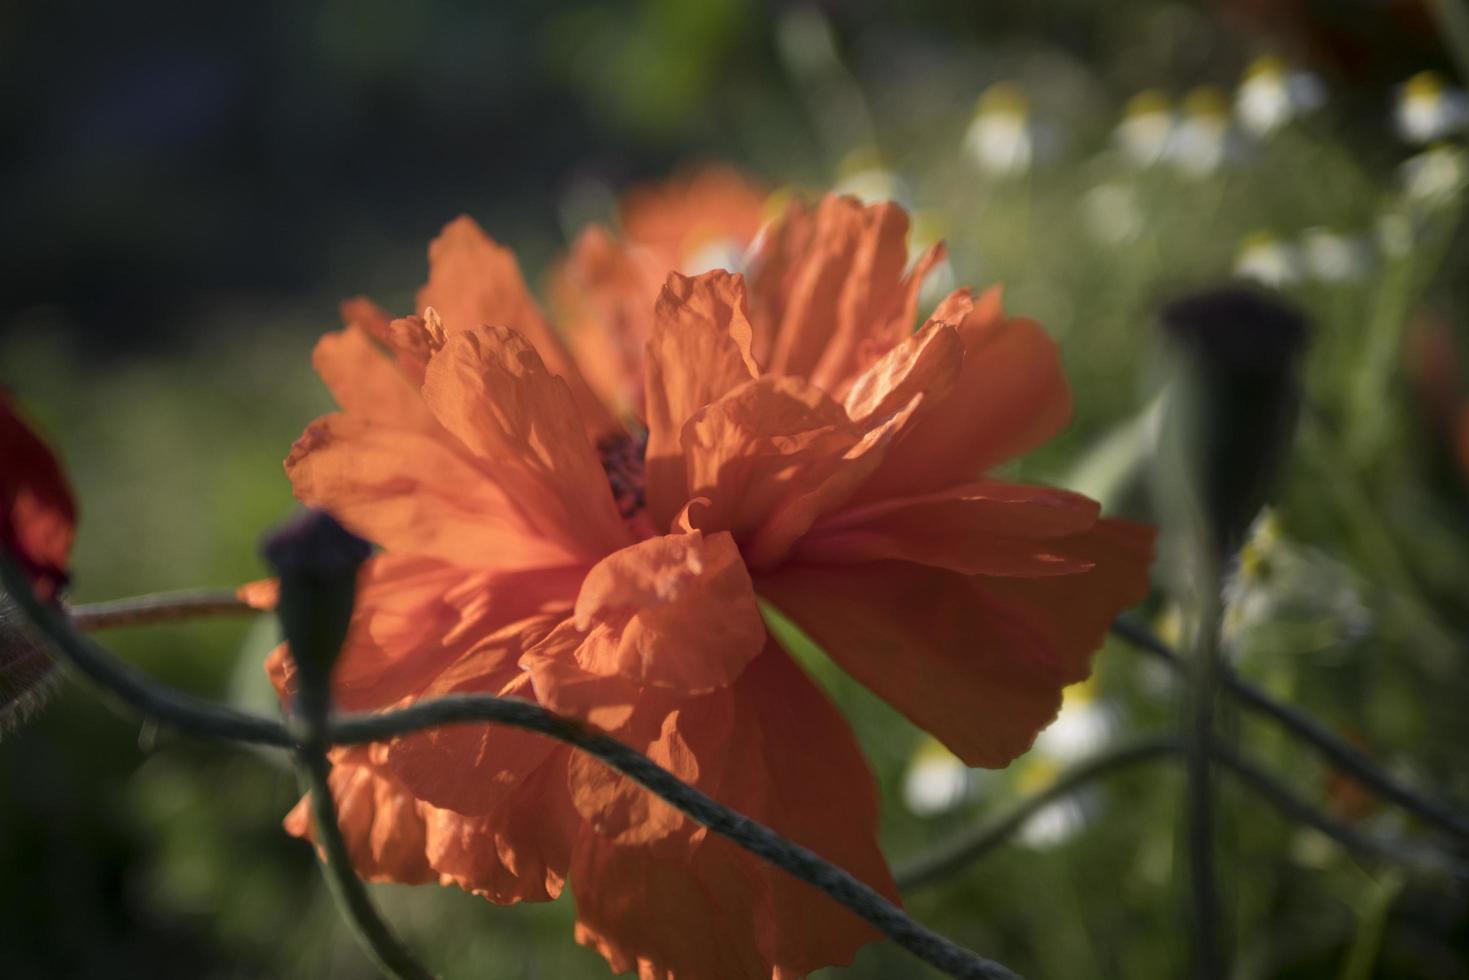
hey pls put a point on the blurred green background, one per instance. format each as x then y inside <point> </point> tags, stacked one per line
<point>188,191</point>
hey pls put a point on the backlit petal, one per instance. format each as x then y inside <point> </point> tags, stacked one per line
<point>475,281</point>
<point>380,821</point>
<point>713,910</point>
<point>491,390</point>
<point>414,492</point>
<point>763,443</point>
<point>1010,397</point>
<point>679,613</point>
<point>987,528</point>
<point>367,382</point>
<point>699,350</point>
<point>979,662</point>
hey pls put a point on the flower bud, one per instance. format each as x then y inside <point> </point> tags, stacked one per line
<point>317,561</point>
<point>1234,392</point>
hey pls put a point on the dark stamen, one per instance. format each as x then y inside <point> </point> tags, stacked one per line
<point>622,459</point>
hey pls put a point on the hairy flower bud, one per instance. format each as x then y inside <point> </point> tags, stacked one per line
<point>316,560</point>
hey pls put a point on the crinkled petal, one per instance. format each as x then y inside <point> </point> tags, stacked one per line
<point>703,907</point>
<point>521,852</point>
<point>474,768</point>
<point>699,351</point>
<point>415,493</point>
<point>688,736</point>
<point>827,278</point>
<point>986,528</point>
<point>381,823</point>
<point>977,661</point>
<point>415,618</point>
<point>475,281</point>
<point>491,390</point>
<point>1010,397</point>
<point>821,795</point>
<point>367,382</point>
<point>679,610</point>
<point>824,491</point>
<point>763,443</point>
<point>928,363</point>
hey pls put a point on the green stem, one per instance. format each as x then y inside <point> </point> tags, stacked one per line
<point>376,939</point>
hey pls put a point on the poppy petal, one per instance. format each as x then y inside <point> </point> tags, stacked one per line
<point>367,382</point>
<point>414,493</point>
<point>1010,397</point>
<point>986,528</point>
<point>679,610</point>
<point>380,821</point>
<point>764,442</point>
<point>978,662</point>
<point>474,281</point>
<point>489,388</point>
<point>702,906</point>
<point>699,350</point>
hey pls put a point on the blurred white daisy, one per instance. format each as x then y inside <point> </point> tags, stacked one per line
<point>1000,138</point>
<point>1272,94</point>
<point>1112,213</point>
<point>1202,141</point>
<point>1145,130</point>
<point>1329,256</point>
<point>1437,176</point>
<point>1429,109</point>
<point>1277,580</point>
<point>864,175</point>
<point>1056,823</point>
<point>1083,725</point>
<point>937,780</point>
<point>1266,259</point>
<point>1086,722</point>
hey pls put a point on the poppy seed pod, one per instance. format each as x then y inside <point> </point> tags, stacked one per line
<point>316,560</point>
<point>1233,356</point>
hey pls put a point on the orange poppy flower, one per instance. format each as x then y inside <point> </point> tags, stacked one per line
<point>804,445</point>
<point>37,526</point>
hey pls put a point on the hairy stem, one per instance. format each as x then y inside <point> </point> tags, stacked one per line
<point>159,607</point>
<point>175,708</point>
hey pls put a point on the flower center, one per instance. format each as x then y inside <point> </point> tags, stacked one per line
<point>622,459</point>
